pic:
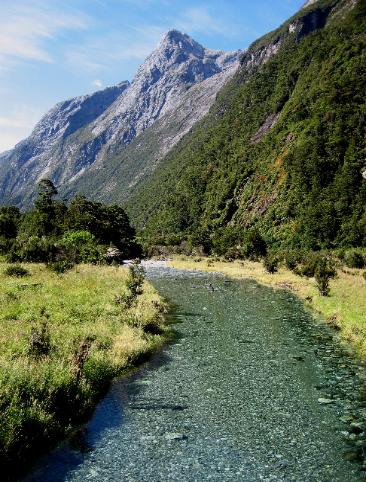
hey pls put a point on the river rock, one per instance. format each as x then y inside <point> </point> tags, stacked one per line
<point>356,427</point>
<point>325,401</point>
<point>175,436</point>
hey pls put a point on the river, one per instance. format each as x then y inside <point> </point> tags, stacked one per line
<point>251,389</point>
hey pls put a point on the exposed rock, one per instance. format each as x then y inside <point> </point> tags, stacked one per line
<point>308,3</point>
<point>113,255</point>
<point>175,436</point>
<point>268,124</point>
<point>325,401</point>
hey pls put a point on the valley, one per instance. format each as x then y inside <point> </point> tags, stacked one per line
<point>183,258</point>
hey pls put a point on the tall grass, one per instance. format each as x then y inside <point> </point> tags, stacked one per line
<point>62,339</point>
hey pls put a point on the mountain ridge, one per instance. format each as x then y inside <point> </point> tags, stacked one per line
<point>69,139</point>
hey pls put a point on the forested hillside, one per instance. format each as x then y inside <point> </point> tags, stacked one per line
<point>282,152</point>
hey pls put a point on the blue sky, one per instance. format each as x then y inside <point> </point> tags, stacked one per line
<point>51,50</point>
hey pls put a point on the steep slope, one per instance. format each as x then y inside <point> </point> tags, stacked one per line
<point>176,65</point>
<point>121,174</point>
<point>42,152</point>
<point>282,149</point>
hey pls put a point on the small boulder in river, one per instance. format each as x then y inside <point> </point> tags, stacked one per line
<point>175,436</point>
<point>113,256</point>
<point>325,401</point>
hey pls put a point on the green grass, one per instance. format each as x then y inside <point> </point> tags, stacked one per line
<point>344,309</point>
<point>92,339</point>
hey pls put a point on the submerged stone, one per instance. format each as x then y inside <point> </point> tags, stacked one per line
<point>325,401</point>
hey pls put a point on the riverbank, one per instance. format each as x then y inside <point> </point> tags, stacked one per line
<point>344,309</point>
<point>250,389</point>
<point>64,337</point>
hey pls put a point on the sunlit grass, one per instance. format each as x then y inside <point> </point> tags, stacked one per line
<point>42,397</point>
<point>344,309</point>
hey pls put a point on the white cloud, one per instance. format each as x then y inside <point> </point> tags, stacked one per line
<point>97,83</point>
<point>107,51</point>
<point>16,125</point>
<point>25,28</point>
<point>199,19</point>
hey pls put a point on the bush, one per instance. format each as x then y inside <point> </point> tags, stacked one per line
<point>39,341</point>
<point>308,265</point>
<point>32,249</point>
<point>270,263</point>
<point>254,245</point>
<point>293,259</point>
<point>354,259</point>
<point>134,284</point>
<point>16,270</point>
<point>324,272</point>
<point>135,280</point>
<point>60,267</point>
<point>81,247</point>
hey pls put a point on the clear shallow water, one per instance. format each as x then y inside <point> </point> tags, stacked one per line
<point>227,401</point>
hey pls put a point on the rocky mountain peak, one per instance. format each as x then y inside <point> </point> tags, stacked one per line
<point>84,132</point>
<point>175,41</point>
<point>178,55</point>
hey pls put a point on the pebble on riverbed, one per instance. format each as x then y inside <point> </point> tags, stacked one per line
<point>325,401</point>
<point>175,436</point>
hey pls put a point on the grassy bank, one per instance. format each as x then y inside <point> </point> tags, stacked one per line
<point>344,309</point>
<point>63,339</point>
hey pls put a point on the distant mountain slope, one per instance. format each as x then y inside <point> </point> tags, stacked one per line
<point>87,131</point>
<point>37,156</point>
<point>121,174</point>
<point>282,149</point>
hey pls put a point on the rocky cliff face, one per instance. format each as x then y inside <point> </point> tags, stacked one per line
<point>82,134</point>
<point>115,178</point>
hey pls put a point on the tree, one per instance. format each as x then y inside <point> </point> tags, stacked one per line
<point>44,213</point>
<point>9,221</point>
<point>46,192</point>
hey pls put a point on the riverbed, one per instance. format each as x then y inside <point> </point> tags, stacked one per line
<point>252,388</point>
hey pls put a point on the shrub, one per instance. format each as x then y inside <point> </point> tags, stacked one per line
<point>270,263</point>
<point>308,265</point>
<point>324,272</point>
<point>254,245</point>
<point>60,267</point>
<point>32,249</point>
<point>292,259</point>
<point>134,284</point>
<point>80,356</point>
<point>81,247</point>
<point>39,341</point>
<point>135,280</point>
<point>124,299</point>
<point>354,259</point>
<point>16,270</point>
<point>225,241</point>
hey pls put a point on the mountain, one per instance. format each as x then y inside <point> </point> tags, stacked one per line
<point>282,150</point>
<point>36,156</point>
<point>78,137</point>
<point>121,174</point>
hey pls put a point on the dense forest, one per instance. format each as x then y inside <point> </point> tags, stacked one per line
<point>59,234</point>
<point>281,156</point>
